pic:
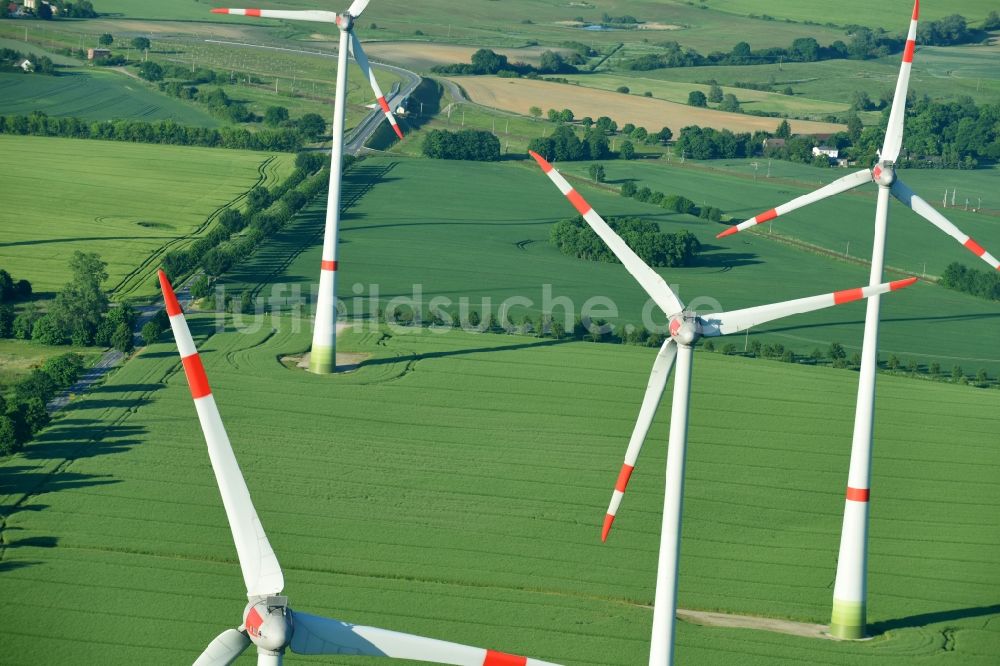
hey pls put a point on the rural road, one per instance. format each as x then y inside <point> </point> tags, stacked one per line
<point>112,358</point>
<point>354,142</point>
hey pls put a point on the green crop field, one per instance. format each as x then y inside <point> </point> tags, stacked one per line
<point>95,95</point>
<point>130,202</point>
<point>892,16</point>
<point>18,357</point>
<point>487,238</point>
<point>455,486</point>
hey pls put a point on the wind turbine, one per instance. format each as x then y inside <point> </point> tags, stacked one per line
<point>686,327</point>
<point>268,620</point>
<point>849,616</point>
<point>323,354</point>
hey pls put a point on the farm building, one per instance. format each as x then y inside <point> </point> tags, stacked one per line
<point>25,64</point>
<point>94,54</point>
<point>829,151</point>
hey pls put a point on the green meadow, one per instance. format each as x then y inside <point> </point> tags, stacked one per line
<point>95,95</point>
<point>131,202</point>
<point>454,486</point>
<point>485,238</point>
<point>892,16</point>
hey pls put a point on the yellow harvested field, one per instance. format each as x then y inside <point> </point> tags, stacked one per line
<point>423,55</point>
<point>519,95</point>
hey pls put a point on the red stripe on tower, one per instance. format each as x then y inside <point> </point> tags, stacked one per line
<point>847,295</point>
<point>494,658</point>
<point>908,51</point>
<point>195,372</point>
<point>764,217</point>
<point>623,477</point>
<point>858,494</point>
<point>328,265</point>
<point>578,202</point>
<point>169,298</point>
<point>975,247</point>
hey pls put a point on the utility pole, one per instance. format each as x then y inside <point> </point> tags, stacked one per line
<point>944,204</point>
<point>507,130</point>
<point>953,191</point>
<point>848,253</point>
<point>463,116</point>
<point>966,203</point>
<point>769,167</point>
<point>755,165</point>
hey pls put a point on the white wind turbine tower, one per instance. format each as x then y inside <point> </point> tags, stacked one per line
<point>848,618</point>
<point>323,354</point>
<point>686,327</point>
<point>268,621</point>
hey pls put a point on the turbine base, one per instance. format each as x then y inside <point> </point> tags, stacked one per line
<point>323,360</point>
<point>848,620</point>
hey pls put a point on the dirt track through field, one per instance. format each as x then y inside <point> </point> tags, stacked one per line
<point>422,55</point>
<point>775,625</point>
<point>520,95</point>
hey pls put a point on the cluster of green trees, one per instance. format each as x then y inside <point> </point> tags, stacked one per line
<point>469,144</point>
<point>486,61</point>
<point>961,132</point>
<point>153,328</point>
<point>79,315</point>
<point>12,291</point>
<point>726,102</point>
<point>238,234</point>
<point>674,202</point>
<point>864,43</point>
<point>564,145</point>
<point>164,131</point>
<point>706,143</point>
<point>22,412</point>
<point>984,284</point>
<point>575,238</point>
<point>39,64</point>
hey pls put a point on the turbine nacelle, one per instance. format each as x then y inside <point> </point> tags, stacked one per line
<point>345,22</point>
<point>884,173</point>
<point>268,622</point>
<point>685,328</point>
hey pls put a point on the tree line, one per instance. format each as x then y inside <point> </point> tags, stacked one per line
<point>468,144</point>
<point>239,233</point>
<point>162,132</point>
<point>984,284</point>
<point>575,238</point>
<point>23,412</point>
<point>864,43</point>
<point>39,64</point>
<point>486,61</point>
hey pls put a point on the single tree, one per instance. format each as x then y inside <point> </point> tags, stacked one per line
<point>106,39</point>
<point>150,332</point>
<point>697,98</point>
<point>627,151</point>
<point>275,116</point>
<point>8,436</point>
<point>715,93</point>
<point>122,339</point>
<point>596,172</point>
<point>535,112</point>
<point>784,130</point>
<point>141,43</point>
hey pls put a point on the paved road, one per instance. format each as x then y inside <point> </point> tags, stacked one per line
<point>354,142</point>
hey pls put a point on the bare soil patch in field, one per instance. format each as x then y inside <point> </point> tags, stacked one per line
<point>421,55</point>
<point>775,625</point>
<point>520,95</point>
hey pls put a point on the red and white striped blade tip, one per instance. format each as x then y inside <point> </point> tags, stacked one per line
<point>916,9</point>
<point>542,162</point>
<point>608,520</point>
<point>399,132</point>
<point>728,232</point>
<point>169,297</point>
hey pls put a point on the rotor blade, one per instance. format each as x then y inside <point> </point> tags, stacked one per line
<point>362,60</point>
<point>224,649</point>
<point>649,279</point>
<point>725,323</point>
<point>926,211</point>
<point>662,366</point>
<point>320,635</point>
<point>357,7</point>
<point>894,130</point>
<point>261,571</point>
<point>315,15</point>
<point>836,187</point>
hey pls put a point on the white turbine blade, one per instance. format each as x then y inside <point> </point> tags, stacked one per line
<point>261,571</point>
<point>357,7</point>
<point>362,60</point>
<point>836,187</point>
<point>926,211</point>
<point>649,279</point>
<point>662,366</point>
<point>725,323</point>
<point>314,15</point>
<point>894,130</point>
<point>224,649</point>
<point>320,635</point>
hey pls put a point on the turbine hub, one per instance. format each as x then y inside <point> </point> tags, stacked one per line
<point>345,21</point>
<point>684,329</point>
<point>268,622</point>
<point>884,174</point>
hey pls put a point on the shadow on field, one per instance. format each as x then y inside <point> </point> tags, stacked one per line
<point>715,256</point>
<point>462,352</point>
<point>49,241</point>
<point>924,619</point>
<point>129,388</point>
